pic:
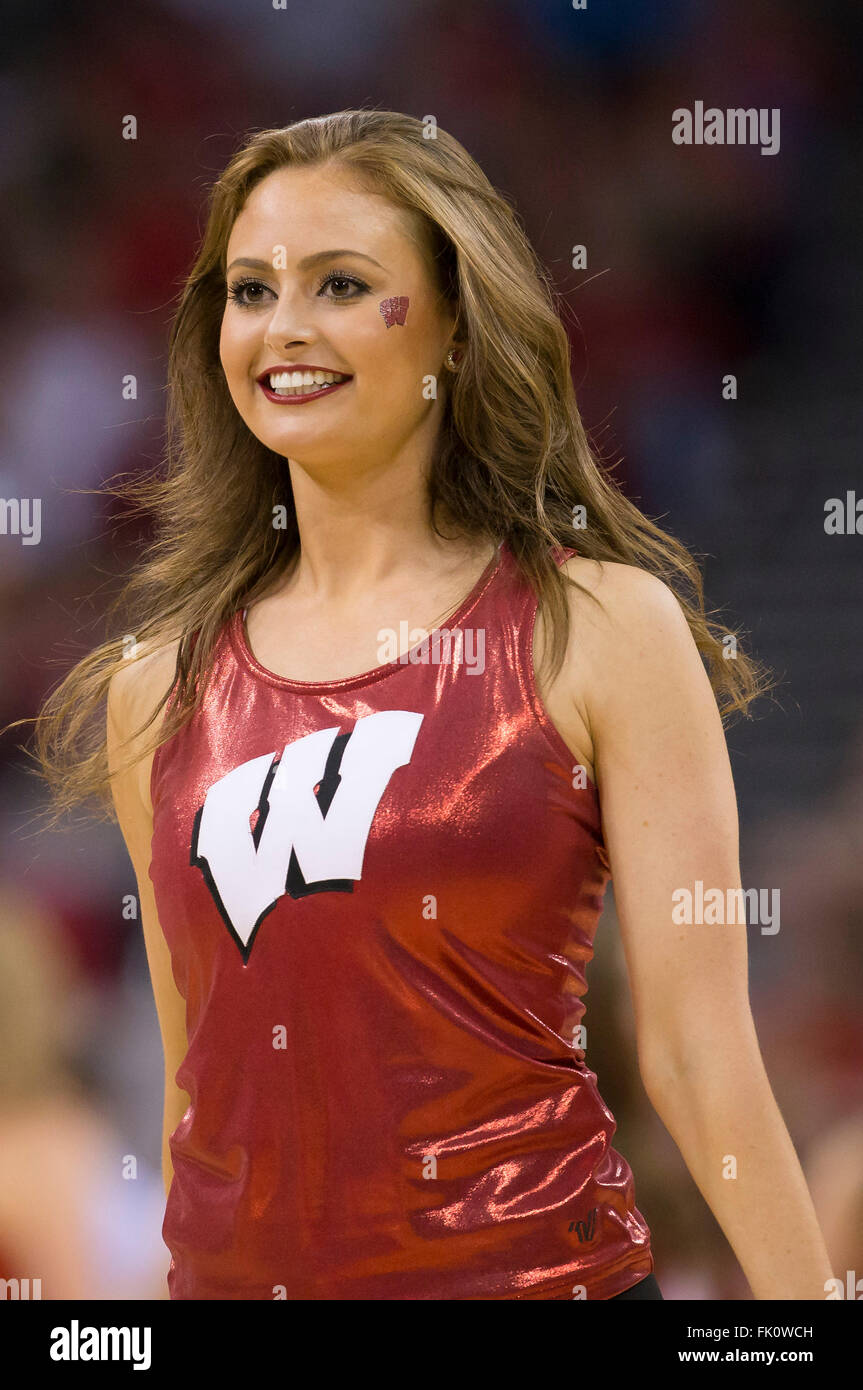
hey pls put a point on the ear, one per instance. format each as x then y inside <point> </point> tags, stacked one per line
<point>458,338</point>
<point>454,322</point>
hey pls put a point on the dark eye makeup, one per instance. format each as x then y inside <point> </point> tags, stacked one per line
<point>237,290</point>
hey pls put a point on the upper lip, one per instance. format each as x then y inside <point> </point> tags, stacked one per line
<point>299,367</point>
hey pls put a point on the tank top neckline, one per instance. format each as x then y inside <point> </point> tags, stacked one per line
<point>246,657</point>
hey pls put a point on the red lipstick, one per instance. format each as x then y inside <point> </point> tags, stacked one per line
<point>300,396</point>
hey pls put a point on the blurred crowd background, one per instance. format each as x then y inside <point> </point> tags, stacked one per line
<point>702,262</point>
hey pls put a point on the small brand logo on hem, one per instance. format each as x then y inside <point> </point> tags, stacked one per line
<point>585,1230</point>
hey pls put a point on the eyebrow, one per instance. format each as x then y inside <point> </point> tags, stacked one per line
<point>307,262</point>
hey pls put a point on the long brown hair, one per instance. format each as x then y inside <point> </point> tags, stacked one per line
<point>513,461</point>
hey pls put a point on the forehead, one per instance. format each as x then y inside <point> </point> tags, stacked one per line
<point>306,209</point>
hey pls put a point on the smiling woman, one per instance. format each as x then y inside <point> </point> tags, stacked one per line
<point>369,891</point>
<point>298,381</point>
<point>344,301</point>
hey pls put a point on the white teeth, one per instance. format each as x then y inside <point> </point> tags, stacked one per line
<point>292,383</point>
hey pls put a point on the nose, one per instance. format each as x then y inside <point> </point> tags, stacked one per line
<point>288,323</point>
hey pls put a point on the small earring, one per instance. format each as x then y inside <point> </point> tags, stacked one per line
<point>451,360</point>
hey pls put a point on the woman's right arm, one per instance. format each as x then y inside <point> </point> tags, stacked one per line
<point>134,692</point>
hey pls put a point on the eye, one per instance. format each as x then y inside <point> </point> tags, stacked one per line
<point>238,291</point>
<point>248,292</point>
<point>341,280</point>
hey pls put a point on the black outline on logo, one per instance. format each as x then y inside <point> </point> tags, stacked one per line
<point>295,884</point>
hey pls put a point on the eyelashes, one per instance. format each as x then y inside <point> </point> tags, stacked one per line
<point>237,290</point>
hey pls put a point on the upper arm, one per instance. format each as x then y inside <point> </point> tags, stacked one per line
<point>669,816</point>
<point>134,692</point>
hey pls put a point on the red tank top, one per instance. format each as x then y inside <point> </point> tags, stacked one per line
<point>380,895</point>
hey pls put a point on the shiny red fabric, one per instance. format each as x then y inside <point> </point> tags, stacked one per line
<point>380,896</point>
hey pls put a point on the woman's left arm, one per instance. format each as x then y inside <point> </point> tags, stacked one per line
<point>670,821</point>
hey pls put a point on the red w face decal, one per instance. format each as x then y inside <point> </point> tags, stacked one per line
<point>395,310</point>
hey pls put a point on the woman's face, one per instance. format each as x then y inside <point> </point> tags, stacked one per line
<point>324,277</point>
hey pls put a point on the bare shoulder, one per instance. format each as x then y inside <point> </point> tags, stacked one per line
<point>135,692</point>
<point>628,637</point>
<point>632,664</point>
<point>627,594</point>
<point>138,686</point>
<point>622,619</point>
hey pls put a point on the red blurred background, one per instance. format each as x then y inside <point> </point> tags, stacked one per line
<point>702,261</point>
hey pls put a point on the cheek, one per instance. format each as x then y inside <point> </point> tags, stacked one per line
<point>227,347</point>
<point>398,346</point>
<point>235,369</point>
<point>236,343</point>
<point>394,310</point>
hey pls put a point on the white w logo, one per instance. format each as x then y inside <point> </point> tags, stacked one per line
<point>315,808</point>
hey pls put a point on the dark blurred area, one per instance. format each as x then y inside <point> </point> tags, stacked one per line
<point>703,262</point>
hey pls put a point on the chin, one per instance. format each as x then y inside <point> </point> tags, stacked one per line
<point>308,453</point>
